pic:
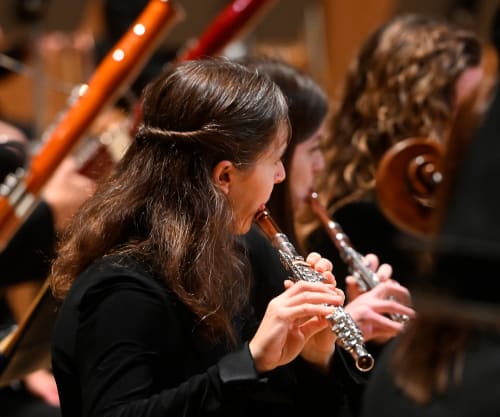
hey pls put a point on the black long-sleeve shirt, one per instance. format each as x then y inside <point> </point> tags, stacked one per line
<point>29,252</point>
<point>124,346</point>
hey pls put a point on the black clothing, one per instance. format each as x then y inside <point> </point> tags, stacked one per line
<point>467,249</point>
<point>28,253</point>
<point>470,228</point>
<point>27,256</point>
<point>12,156</point>
<point>17,402</point>
<point>476,395</point>
<point>124,345</point>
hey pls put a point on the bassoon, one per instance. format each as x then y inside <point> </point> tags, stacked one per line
<point>19,194</point>
<point>232,22</point>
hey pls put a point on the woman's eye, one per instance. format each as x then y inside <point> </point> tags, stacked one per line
<point>316,148</point>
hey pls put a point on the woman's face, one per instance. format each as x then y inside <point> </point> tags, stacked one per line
<point>307,160</point>
<point>249,188</point>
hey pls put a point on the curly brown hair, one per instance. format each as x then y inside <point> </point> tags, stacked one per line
<point>401,85</point>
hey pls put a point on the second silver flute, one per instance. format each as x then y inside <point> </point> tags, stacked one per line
<point>349,336</point>
<point>366,279</point>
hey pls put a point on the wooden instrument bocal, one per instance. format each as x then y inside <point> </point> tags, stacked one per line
<point>19,194</point>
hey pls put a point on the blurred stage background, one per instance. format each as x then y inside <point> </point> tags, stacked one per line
<point>48,46</point>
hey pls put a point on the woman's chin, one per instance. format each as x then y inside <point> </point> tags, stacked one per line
<point>242,228</point>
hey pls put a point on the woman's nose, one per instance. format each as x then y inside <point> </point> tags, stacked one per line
<point>280,174</point>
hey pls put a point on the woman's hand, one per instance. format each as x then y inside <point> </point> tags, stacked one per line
<point>371,309</point>
<point>66,191</point>
<point>384,272</point>
<point>42,384</point>
<point>321,346</point>
<point>296,316</point>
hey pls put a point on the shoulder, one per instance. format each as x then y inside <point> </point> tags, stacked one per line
<point>116,275</point>
<point>118,290</point>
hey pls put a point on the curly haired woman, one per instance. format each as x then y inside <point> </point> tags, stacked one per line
<point>407,81</point>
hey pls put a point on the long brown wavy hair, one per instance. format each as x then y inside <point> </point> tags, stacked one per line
<point>400,85</point>
<point>160,204</point>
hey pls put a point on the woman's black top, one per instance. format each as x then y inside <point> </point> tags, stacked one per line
<point>475,395</point>
<point>29,252</point>
<point>123,345</point>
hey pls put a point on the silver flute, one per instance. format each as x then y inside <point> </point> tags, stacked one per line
<point>366,279</point>
<point>349,336</point>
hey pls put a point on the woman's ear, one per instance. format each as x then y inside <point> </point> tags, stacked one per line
<point>467,83</point>
<point>222,175</point>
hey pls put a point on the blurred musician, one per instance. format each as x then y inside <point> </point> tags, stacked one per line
<point>446,363</point>
<point>407,81</point>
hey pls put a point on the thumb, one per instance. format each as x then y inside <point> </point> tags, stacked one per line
<point>352,288</point>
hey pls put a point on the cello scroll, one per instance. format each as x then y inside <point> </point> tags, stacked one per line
<point>407,179</point>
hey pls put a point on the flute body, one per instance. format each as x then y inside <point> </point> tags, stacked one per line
<point>366,279</point>
<point>349,336</point>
